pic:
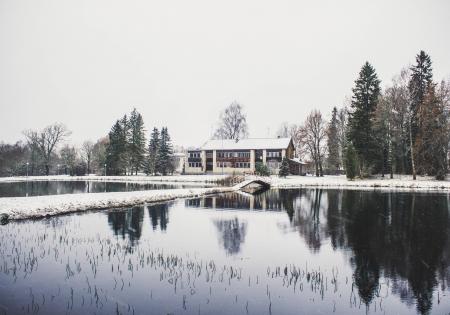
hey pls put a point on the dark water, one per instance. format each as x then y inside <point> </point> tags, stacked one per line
<point>308,251</point>
<point>41,188</point>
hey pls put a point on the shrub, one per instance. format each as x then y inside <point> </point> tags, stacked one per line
<point>261,169</point>
<point>284,168</point>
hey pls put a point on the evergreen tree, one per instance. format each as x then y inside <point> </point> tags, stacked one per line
<point>284,168</point>
<point>136,142</point>
<point>114,150</point>
<point>333,143</point>
<point>153,149</point>
<point>420,82</point>
<point>351,161</point>
<point>124,144</point>
<point>165,154</point>
<point>361,131</point>
<point>432,136</point>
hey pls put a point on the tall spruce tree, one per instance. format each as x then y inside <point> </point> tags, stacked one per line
<point>333,143</point>
<point>432,136</point>
<point>420,81</point>
<point>165,153</point>
<point>361,117</point>
<point>125,141</point>
<point>153,149</point>
<point>114,150</point>
<point>136,146</point>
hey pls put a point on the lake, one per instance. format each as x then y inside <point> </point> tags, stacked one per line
<point>293,251</point>
<point>41,188</point>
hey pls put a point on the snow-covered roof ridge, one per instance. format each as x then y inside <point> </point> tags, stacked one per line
<point>246,144</point>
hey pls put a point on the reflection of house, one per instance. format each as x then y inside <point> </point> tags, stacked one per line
<point>231,156</point>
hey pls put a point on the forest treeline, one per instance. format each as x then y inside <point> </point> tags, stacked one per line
<point>124,151</point>
<point>403,129</point>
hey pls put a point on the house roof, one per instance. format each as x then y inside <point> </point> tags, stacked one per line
<point>247,144</point>
<point>298,161</point>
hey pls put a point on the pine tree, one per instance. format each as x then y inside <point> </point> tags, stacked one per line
<point>351,162</point>
<point>164,161</point>
<point>284,168</point>
<point>361,132</point>
<point>420,82</point>
<point>153,149</point>
<point>136,145</point>
<point>333,143</point>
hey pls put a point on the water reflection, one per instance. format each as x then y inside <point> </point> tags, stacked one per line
<point>402,236</point>
<point>127,223</point>
<point>231,234</point>
<point>42,188</point>
<point>344,252</point>
<point>159,215</point>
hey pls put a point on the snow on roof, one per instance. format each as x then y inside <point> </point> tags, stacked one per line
<point>247,144</point>
<point>297,160</point>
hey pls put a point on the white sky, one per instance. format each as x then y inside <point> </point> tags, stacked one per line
<point>179,62</point>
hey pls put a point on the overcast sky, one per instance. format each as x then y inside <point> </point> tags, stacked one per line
<point>179,62</point>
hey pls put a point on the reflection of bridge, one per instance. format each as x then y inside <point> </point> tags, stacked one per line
<point>246,182</point>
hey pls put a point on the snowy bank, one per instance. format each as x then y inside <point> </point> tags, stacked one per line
<point>42,206</point>
<point>129,179</point>
<point>400,182</point>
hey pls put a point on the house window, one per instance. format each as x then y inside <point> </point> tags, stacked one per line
<point>194,154</point>
<point>195,164</point>
<point>273,154</point>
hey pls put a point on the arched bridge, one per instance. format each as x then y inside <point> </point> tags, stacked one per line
<point>251,181</point>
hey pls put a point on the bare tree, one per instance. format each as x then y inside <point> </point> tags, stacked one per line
<point>233,123</point>
<point>286,130</point>
<point>46,141</point>
<point>313,136</point>
<point>87,151</point>
<point>69,157</point>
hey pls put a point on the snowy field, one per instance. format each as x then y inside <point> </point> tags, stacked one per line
<point>42,206</point>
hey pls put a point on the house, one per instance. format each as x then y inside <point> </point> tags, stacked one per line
<point>227,156</point>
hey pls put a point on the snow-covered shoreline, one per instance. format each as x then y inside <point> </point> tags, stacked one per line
<point>403,182</point>
<point>42,206</point>
<point>129,179</point>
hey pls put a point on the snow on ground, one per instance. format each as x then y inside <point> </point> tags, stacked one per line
<point>41,206</point>
<point>399,182</point>
<point>130,179</point>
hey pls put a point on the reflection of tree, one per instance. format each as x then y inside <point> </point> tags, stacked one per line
<point>403,236</point>
<point>159,213</point>
<point>231,234</point>
<point>127,223</point>
<point>307,207</point>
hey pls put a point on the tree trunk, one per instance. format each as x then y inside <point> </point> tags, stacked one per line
<point>413,164</point>
<point>47,169</point>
